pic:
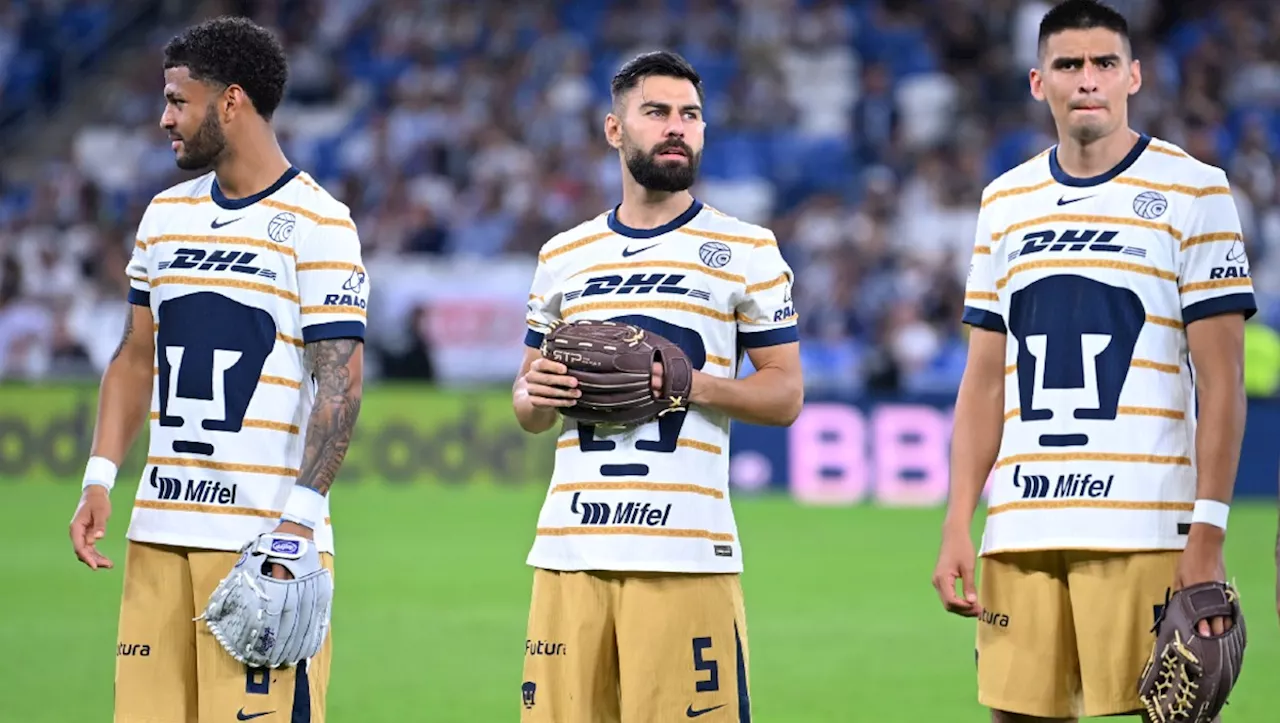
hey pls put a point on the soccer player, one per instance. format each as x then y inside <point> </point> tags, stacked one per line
<point>1108,294</point>
<point>244,348</point>
<point>637,611</point>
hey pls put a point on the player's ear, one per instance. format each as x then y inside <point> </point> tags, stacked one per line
<point>232,101</point>
<point>1135,76</point>
<point>1036,81</point>
<point>613,130</point>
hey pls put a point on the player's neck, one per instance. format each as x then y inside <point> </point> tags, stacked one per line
<point>645,209</point>
<point>1086,160</point>
<point>257,164</point>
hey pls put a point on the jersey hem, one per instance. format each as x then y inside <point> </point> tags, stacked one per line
<point>333,330</point>
<point>1231,303</point>
<point>632,566</point>
<point>769,337</point>
<point>213,544</point>
<point>1113,546</point>
<point>984,319</point>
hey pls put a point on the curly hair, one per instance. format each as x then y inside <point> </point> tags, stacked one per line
<point>233,50</point>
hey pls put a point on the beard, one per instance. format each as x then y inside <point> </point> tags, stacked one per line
<point>202,149</point>
<point>656,175</point>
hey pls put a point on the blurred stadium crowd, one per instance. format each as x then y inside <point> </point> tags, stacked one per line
<point>862,132</point>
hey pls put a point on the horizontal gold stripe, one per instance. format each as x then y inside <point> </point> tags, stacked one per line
<point>1215,284</point>
<point>719,360</point>
<point>778,280</point>
<point>983,250</point>
<point>310,215</point>
<point>662,263</point>
<point>1092,457</point>
<point>140,244</point>
<point>981,296</point>
<point>226,240</point>
<point>329,266</point>
<point>634,530</point>
<point>643,305</point>
<point>275,381</point>
<point>727,238</point>
<point>355,310</point>
<point>1131,411</point>
<point>139,279</point>
<point>1164,321</point>
<point>1166,151</point>
<point>289,340</point>
<point>204,509</point>
<point>226,283</point>
<point>1174,187</point>
<point>637,486</point>
<point>1085,264</point>
<point>209,509</point>
<point>1206,238</point>
<point>269,203</point>
<point>1088,218</point>
<point>1135,364</point>
<point>1091,505</point>
<point>1157,366</point>
<point>256,424</point>
<point>222,466</point>
<point>1017,191</point>
<point>566,248</point>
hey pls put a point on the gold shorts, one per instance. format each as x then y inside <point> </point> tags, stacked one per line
<point>170,669</point>
<point>610,647</point>
<point>1065,634</point>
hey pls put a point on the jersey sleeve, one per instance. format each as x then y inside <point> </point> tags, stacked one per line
<point>766,315</point>
<point>1213,269</point>
<point>981,302</point>
<point>333,285</point>
<point>544,305</point>
<point>138,269</point>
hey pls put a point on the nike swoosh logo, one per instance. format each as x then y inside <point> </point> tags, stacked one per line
<point>215,223</point>
<point>241,715</point>
<point>629,252</point>
<point>695,713</point>
<point>1063,201</point>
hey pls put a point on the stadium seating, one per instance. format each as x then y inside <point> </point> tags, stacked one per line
<point>861,132</point>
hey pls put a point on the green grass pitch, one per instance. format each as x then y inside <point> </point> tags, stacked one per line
<point>433,593</point>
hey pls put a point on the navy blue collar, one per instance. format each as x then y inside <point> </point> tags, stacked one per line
<point>623,230</point>
<point>1067,179</point>
<point>235,204</point>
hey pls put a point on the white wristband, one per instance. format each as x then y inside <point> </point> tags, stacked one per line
<point>1210,512</point>
<point>100,471</point>
<point>305,506</point>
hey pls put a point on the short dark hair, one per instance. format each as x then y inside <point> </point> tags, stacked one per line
<point>233,50</point>
<point>659,62</point>
<point>1082,15</point>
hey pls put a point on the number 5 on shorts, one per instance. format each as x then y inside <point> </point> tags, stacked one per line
<point>712,683</point>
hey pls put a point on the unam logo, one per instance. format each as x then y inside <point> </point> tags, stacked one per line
<point>280,228</point>
<point>715,254</point>
<point>1150,204</point>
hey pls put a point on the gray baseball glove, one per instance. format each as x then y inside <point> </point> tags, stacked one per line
<point>264,622</point>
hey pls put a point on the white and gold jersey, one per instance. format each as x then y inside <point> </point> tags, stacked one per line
<point>236,288</point>
<point>656,497</point>
<point>1094,281</point>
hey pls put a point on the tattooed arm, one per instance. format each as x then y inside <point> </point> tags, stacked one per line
<point>338,368</point>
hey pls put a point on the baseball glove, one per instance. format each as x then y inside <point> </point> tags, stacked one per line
<point>264,622</point>
<point>1188,677</point>
<point>613,363</point>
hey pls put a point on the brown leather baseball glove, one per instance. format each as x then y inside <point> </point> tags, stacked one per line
<point>1188,677</point>
<point>613,363</point>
